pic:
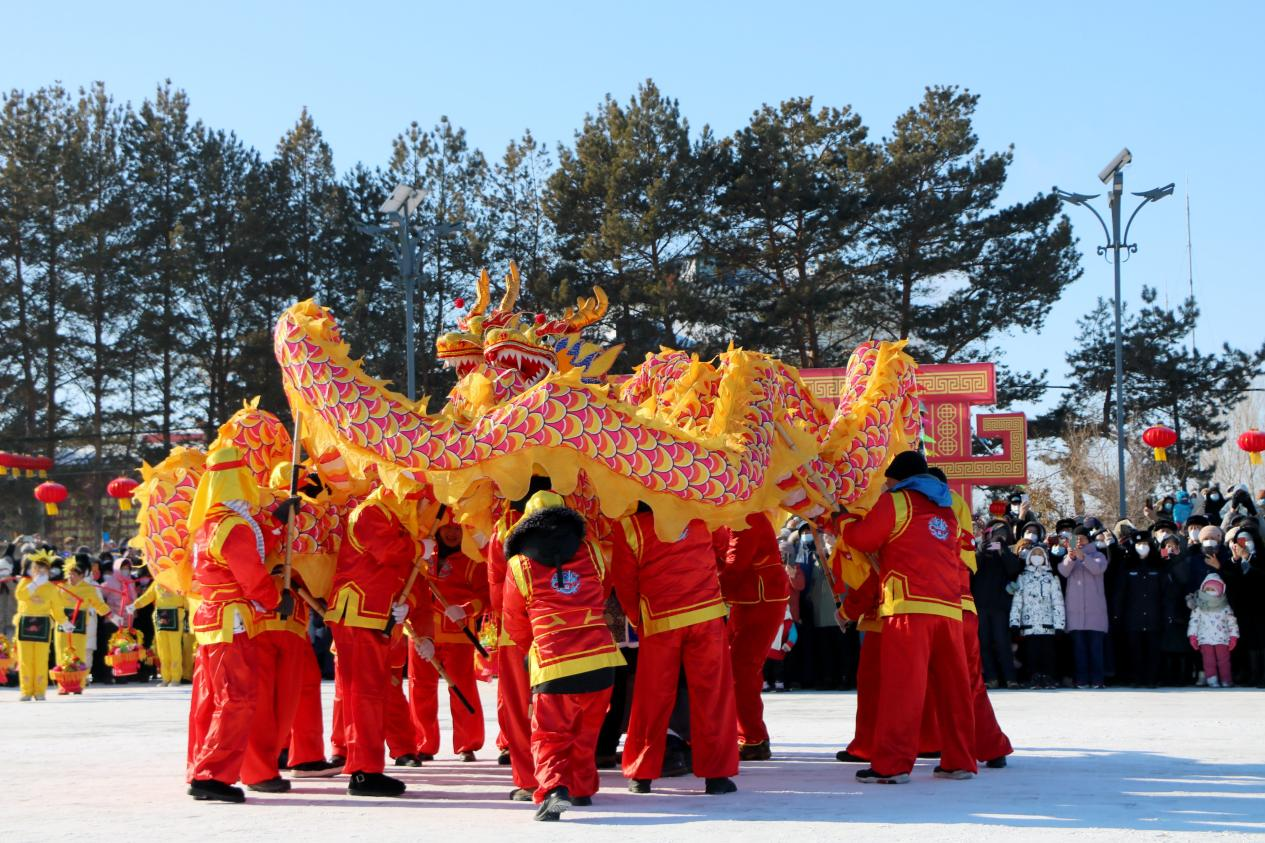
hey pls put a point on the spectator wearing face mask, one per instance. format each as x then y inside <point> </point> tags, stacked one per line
<point>1140,608</point>
<point>1177,664</point>
<point>8,589</point>
<point>1214,501</point>
<point>1210,556</point>
<point>1193,525</point>
<point>1248,603</point>
<point>1084,567</point>
<point>997,566</point>
<point>1033,533</point>
<point>1214,631</point>
<point>1018,513</point>
<point>1037,613</point>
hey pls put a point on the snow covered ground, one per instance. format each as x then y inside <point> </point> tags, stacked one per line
<point>1095,765</point>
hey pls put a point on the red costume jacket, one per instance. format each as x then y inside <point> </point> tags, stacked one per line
<point>228,572</point>
<point>462,582</point>
<point>966,550</point>
<point>919,552</point>
<point>750,563</point>
<point>498,570</point>
<point>375,559</point>
<point>558,614</point>
<point>665,585</point>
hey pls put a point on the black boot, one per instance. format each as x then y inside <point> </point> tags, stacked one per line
<point>715,787</point>
<point>582,801</point>
<point>997,763</point>
<point>521,794</point>
<point>277,785</point>
<point>755,751</point>
<point>849,758</point>
<point>315,770</point>
<point>504,758</point>
<point>468,756</point>
<point>555,802</point>
<point>639,785</point>
<point>210,790</point>
<point>374,784</point>
<point>408,759</point>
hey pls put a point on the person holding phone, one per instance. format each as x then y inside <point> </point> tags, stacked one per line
<point>1084,568</point>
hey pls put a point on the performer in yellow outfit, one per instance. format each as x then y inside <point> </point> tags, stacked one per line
<point>169,626</point>
<point>80,597</point>
<point>40,605</point>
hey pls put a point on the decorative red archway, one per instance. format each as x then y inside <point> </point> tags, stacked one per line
<point>949,390</point>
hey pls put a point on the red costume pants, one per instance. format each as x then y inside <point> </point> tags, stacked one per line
<point>702,649</point>
<point>400,734</point>
<point>921,654</point>
<point>278,674</point>
<point>467,728</point>
<point>307,734</point>
<point>752,628</point>
<point>362,682</point>
<point>564,730</point>
<point>513,712</point>
<point>990,741</point>
<point>862,744</point>
<point>221,709</point>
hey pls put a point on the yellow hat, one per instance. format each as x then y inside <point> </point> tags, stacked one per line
<point>542,500</point>
<point>226,479</point>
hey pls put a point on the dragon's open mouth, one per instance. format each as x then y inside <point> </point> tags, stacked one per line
<point>534,363</point>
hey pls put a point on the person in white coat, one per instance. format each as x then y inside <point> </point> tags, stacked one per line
<point>1213,631</point>
<point>1037,613</point>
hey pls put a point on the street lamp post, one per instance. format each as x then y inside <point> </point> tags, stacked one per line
<point>1113,174</point>
<point>407,242</point>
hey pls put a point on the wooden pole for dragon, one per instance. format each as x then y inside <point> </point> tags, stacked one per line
<point>292,525</point>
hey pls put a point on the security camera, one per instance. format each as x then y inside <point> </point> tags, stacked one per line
<point>1122,159</point>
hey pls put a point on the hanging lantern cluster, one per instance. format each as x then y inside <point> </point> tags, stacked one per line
<point>1160,437</point>
<point>997,508</point>
<point>50,494</point>
<point>18,463</point>
<point>121,488</point>
<point>1252,441</point>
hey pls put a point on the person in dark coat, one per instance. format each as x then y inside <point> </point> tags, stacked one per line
<point>1248,603</point>
<point>1177,661</point>
<point>1140,607</point>
<point>1214,500</point>
<point>997,566</point>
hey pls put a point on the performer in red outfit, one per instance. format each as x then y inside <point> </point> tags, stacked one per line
<point>554,602</point>
<point>753,583</point>
<point>991,744</point>
<point>366,604</point>
<point>861,605</point>
<point>513,688</point>
<point>671,594</point>
<point>281,648</point>
<point>463,584</point>
<point>913,529</point>
<point>229,573</point>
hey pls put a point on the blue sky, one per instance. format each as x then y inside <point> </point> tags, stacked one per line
<point>1068,84</point>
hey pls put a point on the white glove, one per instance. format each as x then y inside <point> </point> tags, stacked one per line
<point>129,609</point>
<point>428,548</point>
<point>399,612</point>
<point>456,614</point>
<point>67,627</point>
<point>117,620</point>
<point>425,648</point>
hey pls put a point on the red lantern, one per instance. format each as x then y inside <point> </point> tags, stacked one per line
<point>997,508</point>
<point>50,494</point>
<point>121,488</point>
<point>41,464</point>
<point>6,462</point>
<point>1253,441</point>
<point>1160,437</point>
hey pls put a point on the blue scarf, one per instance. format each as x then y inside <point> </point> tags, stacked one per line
<point>930,487</point>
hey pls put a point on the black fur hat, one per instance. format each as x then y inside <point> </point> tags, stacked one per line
<point>550,535</point>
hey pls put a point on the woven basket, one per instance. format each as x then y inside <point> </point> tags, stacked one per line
<point>124,664</point>
<point>70,681</point>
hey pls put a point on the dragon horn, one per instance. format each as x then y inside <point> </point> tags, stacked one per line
<point>482,299</point>
<point>587,311</point>
<point>511,289</point>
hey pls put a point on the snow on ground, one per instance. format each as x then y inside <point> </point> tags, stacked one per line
<point>1088,764</point>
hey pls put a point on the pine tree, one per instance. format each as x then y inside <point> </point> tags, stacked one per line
<point>627,202</point>
<point>521,231</point>
<point>785,230</point>
<point>1165,381</point>
<point>943,266</point>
